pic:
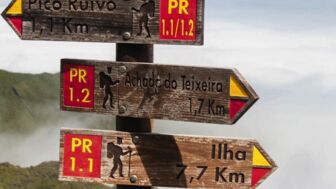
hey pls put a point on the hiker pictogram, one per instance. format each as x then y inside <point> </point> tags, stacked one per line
<point>107,83</point>
<point>115,151</point>
<point>145,13</point>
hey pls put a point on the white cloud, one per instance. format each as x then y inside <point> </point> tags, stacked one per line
<point>293,71</point>
<point>261,54</point>
<point>294,123</point>
<point>27,149</point>
<point>41,56</point>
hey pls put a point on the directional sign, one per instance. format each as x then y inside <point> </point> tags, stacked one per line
<point>141,90</point>
<point>126,21</point>
<point>162,160</point>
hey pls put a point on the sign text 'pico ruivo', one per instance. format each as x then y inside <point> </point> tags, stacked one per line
<point>126,21</point>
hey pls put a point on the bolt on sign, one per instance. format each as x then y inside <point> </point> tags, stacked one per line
<point>136,159</point>
<point>135,21</point>
<point>210,95</point>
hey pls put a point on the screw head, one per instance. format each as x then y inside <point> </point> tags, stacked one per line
<point>127,35</point>
<point>122,109</point>
<point>133,179</point>
<point>122,69</point>
<point>136,139</point>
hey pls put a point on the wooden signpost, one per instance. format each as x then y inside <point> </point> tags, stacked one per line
<point>136,92</point>
<point>140,159</point>
<point>141,90</point>
<point>126,21</point>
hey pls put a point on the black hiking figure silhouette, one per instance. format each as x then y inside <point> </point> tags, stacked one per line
<point>145,13</point>
<point>115,152</point>
<point>106,82</point>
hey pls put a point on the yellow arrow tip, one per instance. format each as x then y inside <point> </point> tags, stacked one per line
<point>235,88</point>
<point>259,159</point>
<point>16,8</point>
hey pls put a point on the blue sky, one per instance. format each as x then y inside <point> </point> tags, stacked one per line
<point>281,15</point>
<point>285,49</point>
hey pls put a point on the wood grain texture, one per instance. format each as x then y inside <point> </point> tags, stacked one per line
<point>134,53</point>
<point>108,21</point>
<point>158,160</point>
<point>165,92</point>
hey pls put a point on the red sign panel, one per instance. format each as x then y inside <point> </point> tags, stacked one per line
<point>82,155</point>
<point>78,86</point>
<point>178,20</point>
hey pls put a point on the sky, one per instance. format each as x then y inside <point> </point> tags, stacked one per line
<point>285,49</point>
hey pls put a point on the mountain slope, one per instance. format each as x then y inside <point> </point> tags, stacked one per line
<point>22,97</point>
<point>43,176</point>
<point>29,102</point>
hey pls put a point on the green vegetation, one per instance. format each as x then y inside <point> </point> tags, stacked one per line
<point>18,110</point>
<point>29,102</point>
<point>43,176</point>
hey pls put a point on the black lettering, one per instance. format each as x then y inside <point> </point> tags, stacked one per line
<point>151,81</point>
<point>219,87</point>
<point>204,168</point>
<point>83,6</point>
<point>92,6</point>
<point>174,84</point>
<point>213,84</point>
<point>220,151</point>
<point>210,107</point>
<point>187,85</point>
<point>204,86</point>
<point>201,100</point>
<point>81,28</point>
<point>220,110</point>
<point>167,82</point>
<point>46,5</point>
<point>158,82</point>
<point>51,24</point>
<point>183,168</point>
<point>66,25</point>
<point>145,82</point>
<point>128,80</point>
<point>219,174</point>
<point>198,86</point>
<point>183,78</point>
<point>33,23</point>
<point>72,5</point>
<point>227,152</point>
<point>138,80</point>
<point>133,81</point>
<point>57,5</point>
<point>237,177</point>
<point>30,2</point>
<point>241,155</point>
<point>213,151</point>
<point>100,5</point>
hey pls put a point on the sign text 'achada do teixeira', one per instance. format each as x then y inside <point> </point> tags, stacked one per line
<point>162,160</point>
<point>127,21</point>
<point>209,95</point>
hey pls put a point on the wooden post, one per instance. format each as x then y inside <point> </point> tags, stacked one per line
<point>134,53</point>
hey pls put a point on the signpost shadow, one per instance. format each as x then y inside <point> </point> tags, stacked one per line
<point>152,157</point>
<point>159,158</point>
